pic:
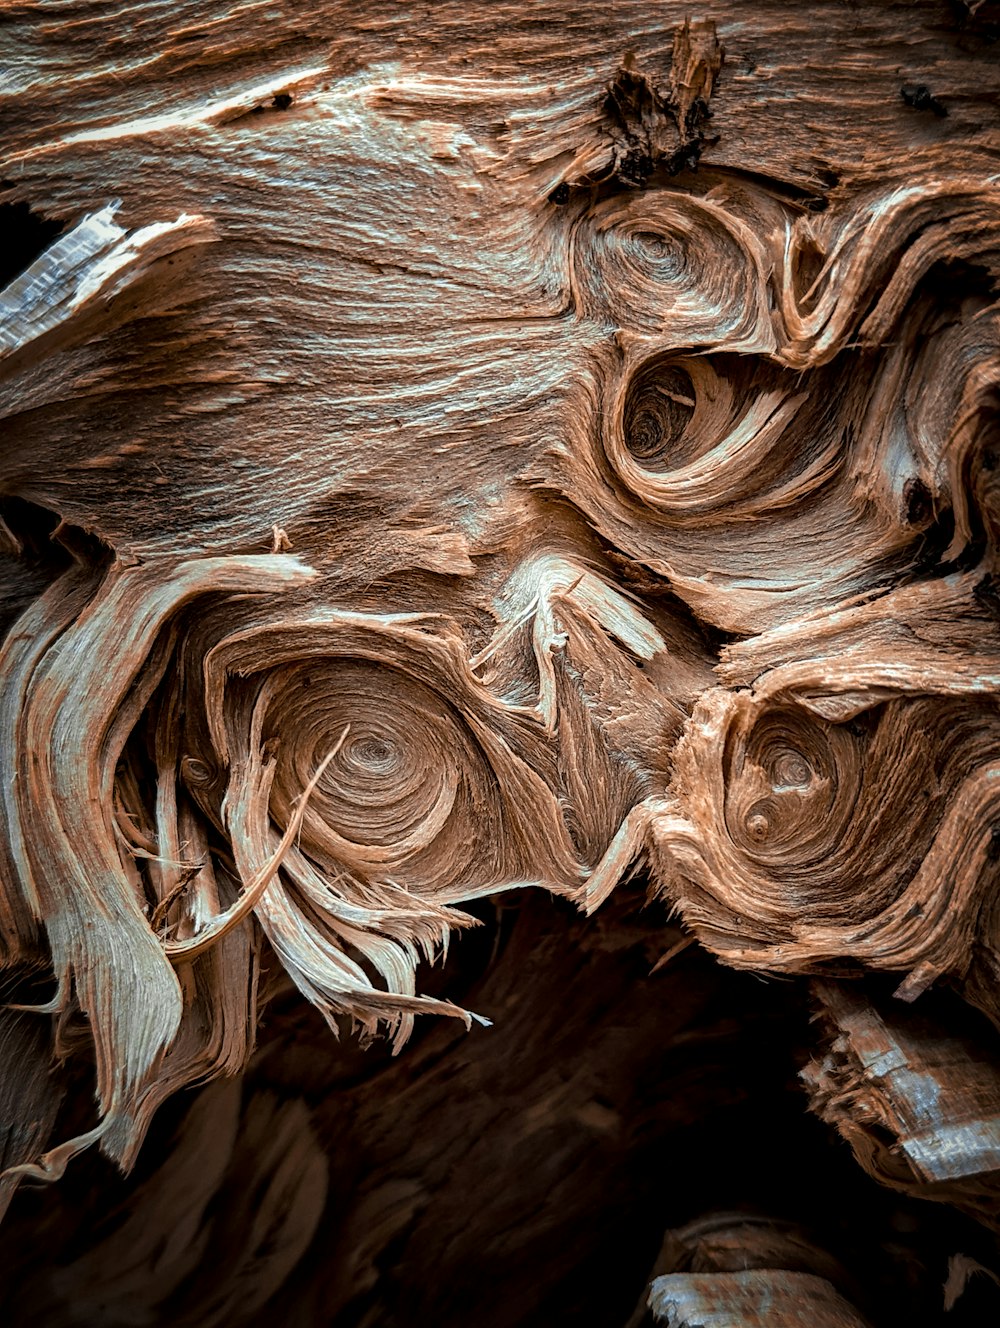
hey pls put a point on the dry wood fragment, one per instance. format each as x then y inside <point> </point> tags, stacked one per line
<point>918,1102</point>
<point>749,1300</point>
<point>467,455</point>
<point>736,1242</point>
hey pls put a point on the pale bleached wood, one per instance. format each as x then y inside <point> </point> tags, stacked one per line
<point>755,1299</point>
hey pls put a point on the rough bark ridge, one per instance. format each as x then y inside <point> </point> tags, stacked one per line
<point>484,450</point>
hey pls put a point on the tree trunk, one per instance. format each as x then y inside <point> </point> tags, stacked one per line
<point>522,475</point>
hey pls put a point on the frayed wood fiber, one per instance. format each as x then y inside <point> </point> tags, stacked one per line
<point>452,457</point>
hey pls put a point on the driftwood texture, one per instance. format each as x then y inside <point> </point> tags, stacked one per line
<point>479,450</point>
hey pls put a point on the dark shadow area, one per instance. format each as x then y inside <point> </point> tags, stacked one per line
<point>526,1173</point>
<point>24,235</point>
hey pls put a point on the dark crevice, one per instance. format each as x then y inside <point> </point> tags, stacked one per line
<point>29,531</point>
<point>920,97</point>
<point>43,544</point>
<point>24,235</point>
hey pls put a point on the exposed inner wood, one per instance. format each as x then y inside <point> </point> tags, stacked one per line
<point>917,1098</point>
<point>471,455</point>
<point>764,1299</point>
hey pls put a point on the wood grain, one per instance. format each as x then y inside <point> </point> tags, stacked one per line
<point>467,451</point>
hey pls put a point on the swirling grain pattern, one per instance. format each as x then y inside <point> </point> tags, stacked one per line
<point>720,598</point>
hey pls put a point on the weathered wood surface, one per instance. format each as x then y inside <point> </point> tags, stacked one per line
<point>749,1300</point>
<point>485,448</point>
<point>916,1097</point>
<point>692,1257</point>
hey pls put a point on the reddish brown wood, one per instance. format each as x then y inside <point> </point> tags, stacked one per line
<point>455,459</point>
